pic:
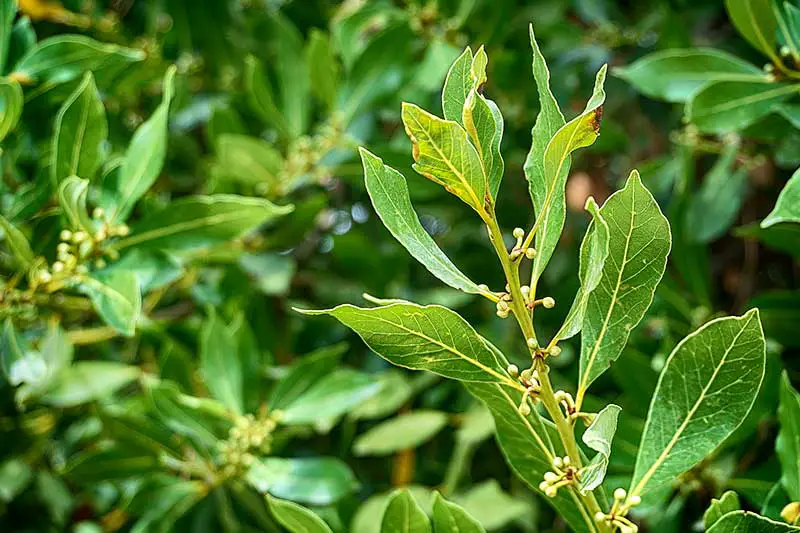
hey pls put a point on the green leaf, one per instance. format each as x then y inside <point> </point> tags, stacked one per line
<point>183,414</point>
<point>395,390</point>
<point>457,85</point>
<point>675,75</point>
<point>490,506</point>
<point>11,101</point>
<point>482,120</point>
<point>707,387</point>
<point>787,208</point>
<point>787,445</point>
<point>116,297</point>
<point>87,381</point>
<point>323,69</point>
<point>443,153</point>
<point>599,436</point>
<point>593,254</point>
<point>756,22</point>
<point>451,518</point>
<point>220,363</point>
<point>249,160</point>
<point>404,515</point>
<point>66,57</point>
<point>80,134</point>
<point>164,502</point>
<point>145,156</point>
<point>306,371</point>
<point>315,481</point>
<point>330,397</point>
<point>14,348</point>
<point>403,432</point>
<point>746,522</point>
<point>713,208</point>
<point>548,122</point>
<point>292,74</point>
<point>388,191</point>
<point>729,106</point>
<point>259,96</point>
<point>431,338</point>
<point>72,193</point>
<point>639,242</point>
<point>295,518</point>
<point>548,193</point>
<point>201,221</point>
<point>527,442</point>
<point>8,11</point>
<point>15,475</point>
<point>17,243</point>
<point>727,503</point>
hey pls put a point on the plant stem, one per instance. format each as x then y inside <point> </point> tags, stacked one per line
<point>547,395</point>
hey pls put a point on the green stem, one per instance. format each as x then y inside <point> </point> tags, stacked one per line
<point>524,319</point>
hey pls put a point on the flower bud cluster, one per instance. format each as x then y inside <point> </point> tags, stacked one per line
<point>78,249</point>
<point>563,474</point>
<point>248,437</point>
<point>518,251</point>
<point>530,379</point>
<point>305,153</point>
<point>616,518</point>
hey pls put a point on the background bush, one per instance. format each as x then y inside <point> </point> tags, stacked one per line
<point>141,375</point>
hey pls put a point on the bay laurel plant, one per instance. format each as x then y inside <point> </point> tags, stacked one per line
<point>549,437</point>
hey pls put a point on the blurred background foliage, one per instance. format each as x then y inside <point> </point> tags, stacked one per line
<point>272,98</point>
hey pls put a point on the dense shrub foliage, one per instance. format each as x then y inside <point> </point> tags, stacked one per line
<point>184,183</point>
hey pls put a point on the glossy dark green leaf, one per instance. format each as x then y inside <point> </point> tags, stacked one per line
<point>787,445</point>
<point>8,11</point>
<point>306,371</point>
<point>404,515</point>
<point>388,191</point>
<point>727,503</point>
<point>706,389</point>
<point>80,134</point>
<point>117,298</point>
<point>592,259</point>
<point>64,58</point>
<point>395,390</point>
<point>330,397</point>
<point>295,518</point>
<point>16,243</point>
<point>259,96</point>
<point>729,106</point>
<point>451,518</point>
<point>87,381</point>
<point>419,337</point>
<point>444,154</point>
<point>746,522</point>
<point>403,432</point>
<point>11,101</point>
<point>109,463</point>
<point>714,207</point>
<point>323,68</point>
<point>549,193</point>
<point>639,242</point>
<point>144,157</point>
<point>314,481</point>
<point>755,21</point>
<point>163,501</point>
<point>183,414</point>
<point>201,221</point>
<point>675,75</point>
<point>248,159</point>
<point>220,363</point>
<point>787,208</point>
<point>72,193</point>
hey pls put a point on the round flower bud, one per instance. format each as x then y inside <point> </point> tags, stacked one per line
<point>513,370</point>
<point>548,302</point>
<point>550,477</point>
<point>599,516</point>
<point>519,233</point>
<point>635,500</point>
<point>551,492</point>
<point>543,486</point>
<point>65,235</point>
<point>532,343</point>
<point>620,494</point>
<point>566,460</point>
<point>555,351</point>
<point>58,266</point>
<point>558,462</point>
<point>524,409</point>
<point>530,253</point>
